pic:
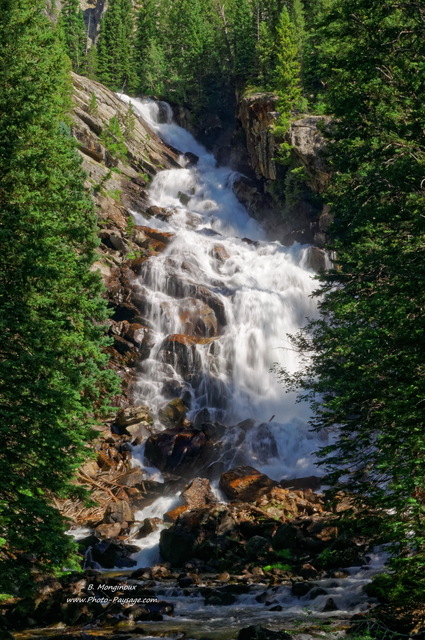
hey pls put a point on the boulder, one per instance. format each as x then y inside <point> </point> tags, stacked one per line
<point>109,530</point>
<point>245,484</point>
<point>149,526</point>
<point>133,415</point>
<point>174,514</point>
<point>119,511</point>
<point>113,554</point>
<point>176,545</point>
<point>179,351</point>
<point>219,598</point>
<point>197,318</point>
<point>191,159</point>
<point>174,413</point>
<point>198,494</point>
<point>176,451</point>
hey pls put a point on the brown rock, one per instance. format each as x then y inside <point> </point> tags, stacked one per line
<point>176,451</point>
<point>179,351</point>
<point>118,512</point>
<point>173,515</point>
<point>198,318</point>
<point>149,526</point>
<point>133,415</point>
<point>245,484</point>
<point>220,253</point>
<point>198,494</point>
<point>174,413</point>
<point>109,530</point>
<point>160,236</point>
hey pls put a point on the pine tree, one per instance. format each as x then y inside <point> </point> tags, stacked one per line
<point>286,77</point>
<point>73,32</point>
<point>241,26</point>
<point>266,58</point>
<point>365,372</point>
<point>115,48</point>
<point>52,369</point>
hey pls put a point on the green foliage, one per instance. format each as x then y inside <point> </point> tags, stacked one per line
<point>278,565</point>
<point>73,32</point>
<point>115,48</point>
<point>129,123</point>
<point>93,107</point>
<point>53,375</point>
<point>364,372</point>
<point>113,139</point>
<point>287,72</point>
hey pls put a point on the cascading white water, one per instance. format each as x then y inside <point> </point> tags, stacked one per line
<point>259,290</point>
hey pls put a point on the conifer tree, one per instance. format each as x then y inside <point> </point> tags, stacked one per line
<point>286,77</point>
<point>115,48</point>
<point>52,369</point>
<point>364,370</point>
<point>73,32</point>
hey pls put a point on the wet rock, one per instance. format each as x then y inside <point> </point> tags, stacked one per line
<point>191,158</point>
<point>245,483</point>
<point>317,258</point>
<point>174,413</point>
<point>177,451</point>
<point>184,198</point>
<point>159,212</point>
<point>330,605</point>
<point>300,589</point>
<point>172,388</point>
<point>176,545</point>
<point>174,514</point>
<point>179,351</point>
<point>118,512</point>
<point>218,598</point>
<point>112,554</point>
<point>149,526</point>
<point>261,633</point>
<point>198,494</point>
<point>109,530</point>
<point>220,253</point>
<point>154,234</point>
<point>315,593</point>
<point>197,318</point>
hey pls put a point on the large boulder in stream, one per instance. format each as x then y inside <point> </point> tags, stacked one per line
<point>178,451</point>
<point>245,483</point>
<point>180,352</point>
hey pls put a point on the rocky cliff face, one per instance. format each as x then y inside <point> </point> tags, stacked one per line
<point>290,200</point>
<point>118,184</point>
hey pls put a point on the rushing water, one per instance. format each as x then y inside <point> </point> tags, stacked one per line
<point>263,292</point>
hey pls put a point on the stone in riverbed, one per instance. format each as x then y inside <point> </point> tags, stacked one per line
<point>198,494</point>
<point>174,514</point>
<point>245,484</point>
<point>118,512</point>
<point>176,451</point>
<point>174,413</point>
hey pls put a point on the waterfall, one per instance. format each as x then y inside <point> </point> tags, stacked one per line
<point>259,291</point>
